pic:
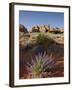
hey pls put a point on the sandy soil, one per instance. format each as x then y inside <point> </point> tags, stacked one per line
<point>56,49</point>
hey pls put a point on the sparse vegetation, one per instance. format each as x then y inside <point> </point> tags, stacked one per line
<point>44,40</point>
<point>40,64</point>
<point>36,47</point>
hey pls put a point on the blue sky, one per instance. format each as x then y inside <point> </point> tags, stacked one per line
<point>33,18</point>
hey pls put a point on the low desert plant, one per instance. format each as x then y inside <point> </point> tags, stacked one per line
<point>40,64</point>
<point>44,40</point>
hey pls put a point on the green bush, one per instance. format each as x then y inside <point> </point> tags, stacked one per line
<point>44,40</point>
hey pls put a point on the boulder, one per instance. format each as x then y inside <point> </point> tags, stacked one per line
<point>43,28</point>
<point>47,28</point>
<point>22,28</point>
<point>35,29</point>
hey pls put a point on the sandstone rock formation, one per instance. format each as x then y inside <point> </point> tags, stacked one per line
<point>22,28</point>
<point>35,29</point>
<point>22,31</point>
<point>46,28</point>
<point>43,28</point>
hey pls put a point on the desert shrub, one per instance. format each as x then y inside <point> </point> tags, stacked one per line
<point>40,64</point>
<point>44,40</point>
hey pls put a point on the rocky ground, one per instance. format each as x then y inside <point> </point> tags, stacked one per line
<point>28,49</point>
<point>56,50</point>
